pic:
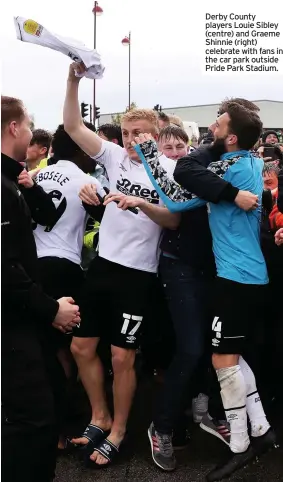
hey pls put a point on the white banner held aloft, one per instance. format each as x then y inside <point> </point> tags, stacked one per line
<point>30,31</point>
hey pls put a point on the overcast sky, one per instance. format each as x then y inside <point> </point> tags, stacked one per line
<point>167,55</point>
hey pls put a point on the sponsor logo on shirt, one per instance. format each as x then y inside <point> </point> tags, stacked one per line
<point>126,187</point>
<point>33,28</point>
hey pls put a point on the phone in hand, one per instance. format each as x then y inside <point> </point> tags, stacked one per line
<point>270,153</point>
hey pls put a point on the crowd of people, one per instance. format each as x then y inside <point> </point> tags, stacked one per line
<point>125,237</point>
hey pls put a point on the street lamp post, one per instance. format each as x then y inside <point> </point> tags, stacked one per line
<point>97,10</point>
<point>127,43</point>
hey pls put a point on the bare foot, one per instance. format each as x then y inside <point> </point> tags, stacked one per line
<point>103,424</point>
<point>116,439</point>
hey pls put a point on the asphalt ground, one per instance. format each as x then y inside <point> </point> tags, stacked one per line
<point>134,462</point>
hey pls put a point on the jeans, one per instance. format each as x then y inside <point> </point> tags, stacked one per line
<point>186,291</point>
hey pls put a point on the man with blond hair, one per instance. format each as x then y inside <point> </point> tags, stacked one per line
<point>176,121</point>
<point>121,277</point>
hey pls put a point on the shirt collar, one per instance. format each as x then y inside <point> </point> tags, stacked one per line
<point>69,164</point>
<point>10,167</point>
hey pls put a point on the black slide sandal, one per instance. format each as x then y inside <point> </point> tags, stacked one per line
<point>108,450</point>
<point>94,434</point>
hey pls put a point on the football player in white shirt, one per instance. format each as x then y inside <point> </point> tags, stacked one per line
<point>119,280</point>
<point>59,244</point>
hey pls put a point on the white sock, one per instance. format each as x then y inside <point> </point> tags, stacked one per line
<point>233,394</point>
<point>259,422</point>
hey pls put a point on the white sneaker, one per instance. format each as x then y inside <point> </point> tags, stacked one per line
<point>199,407</point>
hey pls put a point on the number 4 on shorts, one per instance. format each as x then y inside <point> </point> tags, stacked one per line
<point>127,319</point>
<point>216,324</point>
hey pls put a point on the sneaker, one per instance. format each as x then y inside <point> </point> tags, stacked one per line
<point>162,449</point>
<point>218,428</point>
<point>265,442</point>
<point>199,407</point>
<point>234,463</point>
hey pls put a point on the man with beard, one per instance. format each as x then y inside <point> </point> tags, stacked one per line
<point>241,275</point>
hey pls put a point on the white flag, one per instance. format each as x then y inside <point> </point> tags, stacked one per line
<point>30,31</point>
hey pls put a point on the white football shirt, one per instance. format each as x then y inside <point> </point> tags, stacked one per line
<point>63,181</point>
<point>129,239</point>
<point>30,31</point>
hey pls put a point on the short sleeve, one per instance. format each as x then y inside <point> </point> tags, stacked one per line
<point>109,153</point>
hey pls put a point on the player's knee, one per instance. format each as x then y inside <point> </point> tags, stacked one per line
<point>220,360</point>
<point>83,348</point>
<point>122,359</point>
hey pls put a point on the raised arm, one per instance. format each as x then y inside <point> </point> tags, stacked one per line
<point>88,141</point>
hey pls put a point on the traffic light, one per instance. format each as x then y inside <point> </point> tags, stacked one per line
<point>97,112</point>
<point>84,110</point>
<point>157,107</point>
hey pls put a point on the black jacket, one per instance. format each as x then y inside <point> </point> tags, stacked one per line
<point>192,174</point>
<point>192,242</point>
<point>23,301</point>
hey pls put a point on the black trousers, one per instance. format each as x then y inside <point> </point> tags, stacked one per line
<point>29,431</point>
<point>60,277</point>
<point>28,453</point>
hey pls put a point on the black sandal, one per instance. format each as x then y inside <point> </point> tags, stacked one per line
<point>94,434</point>
<point>107,449</point>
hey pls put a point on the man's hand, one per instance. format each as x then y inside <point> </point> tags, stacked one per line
<point>124,202</point>
<point>26,179</point>
<point>142,138</point>
<point>88,194</point>
<point>279,237</point>
<point>68,315</point>
<point>76,67</point>
<point>246,200</point>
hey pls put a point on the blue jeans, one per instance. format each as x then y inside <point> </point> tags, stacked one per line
<point>186,291</point>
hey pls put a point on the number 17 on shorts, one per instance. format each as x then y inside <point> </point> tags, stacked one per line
<point>131,328</point>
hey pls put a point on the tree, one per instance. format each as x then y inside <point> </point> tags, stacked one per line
<point>133,106</point>
<point>116,118</point>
